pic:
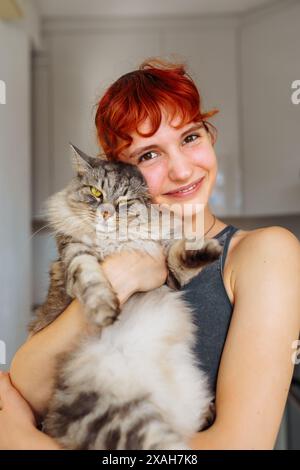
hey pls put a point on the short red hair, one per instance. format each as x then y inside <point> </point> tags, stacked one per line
<point>141,94</point>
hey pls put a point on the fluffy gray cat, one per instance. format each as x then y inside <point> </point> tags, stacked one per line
<point>132,382</point>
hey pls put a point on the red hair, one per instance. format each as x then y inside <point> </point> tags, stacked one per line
<point>141,94</point>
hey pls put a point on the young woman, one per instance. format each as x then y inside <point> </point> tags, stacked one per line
<point>248,301</point>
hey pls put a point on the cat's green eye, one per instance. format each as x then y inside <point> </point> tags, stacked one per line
<point>95,191</point>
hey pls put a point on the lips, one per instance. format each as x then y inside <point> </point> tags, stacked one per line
<point>186,187</point>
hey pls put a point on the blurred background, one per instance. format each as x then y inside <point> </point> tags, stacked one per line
<point>57,57</point>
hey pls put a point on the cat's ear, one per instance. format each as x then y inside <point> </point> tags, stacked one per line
<point>82,162</point>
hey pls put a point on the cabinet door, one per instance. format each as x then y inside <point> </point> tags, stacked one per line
<point>211,54</point>
<point>271,122</point>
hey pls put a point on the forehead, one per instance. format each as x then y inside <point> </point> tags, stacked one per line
<point>164,133</point>
<point>166,124</point>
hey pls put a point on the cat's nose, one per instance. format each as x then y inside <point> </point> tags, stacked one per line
<point>107,211</point>
<point>106,215</point>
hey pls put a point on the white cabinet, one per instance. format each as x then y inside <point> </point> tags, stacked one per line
<point>271,122</point>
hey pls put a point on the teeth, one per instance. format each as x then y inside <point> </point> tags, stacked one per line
<point>186,190</point>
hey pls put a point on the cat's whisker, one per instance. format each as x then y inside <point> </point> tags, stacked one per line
<point>40,229</point>
<point>73,223</point>
<point>76,222</point>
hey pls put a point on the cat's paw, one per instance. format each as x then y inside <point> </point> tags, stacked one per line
<point>208,253</point>
<point>103,316</point>
<point>102,308</point>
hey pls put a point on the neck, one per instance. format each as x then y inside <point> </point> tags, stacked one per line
<point>210,230</point>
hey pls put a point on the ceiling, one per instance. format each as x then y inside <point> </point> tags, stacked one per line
<point>146,7</point>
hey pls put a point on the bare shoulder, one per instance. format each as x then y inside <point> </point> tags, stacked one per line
<point>263,245</point>
<point>256,362</point>
<point>272,237</point>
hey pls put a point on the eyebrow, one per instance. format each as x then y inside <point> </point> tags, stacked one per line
<point>151,146</point>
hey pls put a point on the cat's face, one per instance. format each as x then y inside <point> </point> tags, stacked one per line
<point>106,194</point>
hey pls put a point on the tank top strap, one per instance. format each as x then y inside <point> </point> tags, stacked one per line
<point>224,238</point>
<point>212,309</point>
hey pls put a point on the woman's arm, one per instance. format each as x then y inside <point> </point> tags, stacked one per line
<point>256,367</point>
<point>33,367</point>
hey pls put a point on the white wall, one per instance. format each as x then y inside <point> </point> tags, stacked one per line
<point>270,53</point>
<point>15,188</point>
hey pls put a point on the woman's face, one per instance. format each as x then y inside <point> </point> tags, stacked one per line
<point>173,158</point>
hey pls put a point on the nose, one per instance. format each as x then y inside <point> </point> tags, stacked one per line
<point>107,211</point>
<point>105,215</point>
<point>180,168</point>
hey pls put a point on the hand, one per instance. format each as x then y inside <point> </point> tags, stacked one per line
<point>17,420</point>
<point>135,271</point>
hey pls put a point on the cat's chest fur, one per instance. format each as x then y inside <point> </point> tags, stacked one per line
<point>107,245</point>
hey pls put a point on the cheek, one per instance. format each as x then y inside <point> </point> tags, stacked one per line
<point>155,177</point>
<point>206,158</point>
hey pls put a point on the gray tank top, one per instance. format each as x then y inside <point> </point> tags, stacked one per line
<point>212,309</point>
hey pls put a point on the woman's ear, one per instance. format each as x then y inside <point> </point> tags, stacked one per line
<point>210,136</point>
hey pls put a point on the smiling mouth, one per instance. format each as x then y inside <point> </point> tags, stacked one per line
<point>185,189</point>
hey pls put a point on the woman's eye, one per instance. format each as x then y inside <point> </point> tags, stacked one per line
<point>145,155</point>
<point>140,159</point>
<point>192,135</point>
